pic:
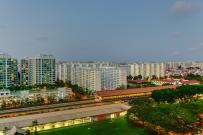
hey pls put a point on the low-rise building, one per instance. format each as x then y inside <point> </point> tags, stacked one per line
<point>60,93</point>
<point>175,82</point>
<point>5,92</point>
<point>64,118</point>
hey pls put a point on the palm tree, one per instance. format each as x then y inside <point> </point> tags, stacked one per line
<point>5,130</point>
<point>34,124</point>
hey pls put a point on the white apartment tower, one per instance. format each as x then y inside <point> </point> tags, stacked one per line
<point>86,77</point>
<point>147,70</point>
<point>94,77</point>
<point>112,77</point>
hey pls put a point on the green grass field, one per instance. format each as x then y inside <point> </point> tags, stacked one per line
<point>173,117</point>
<point>117,126</point>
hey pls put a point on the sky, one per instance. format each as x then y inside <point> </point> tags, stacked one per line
<point>112,30</point>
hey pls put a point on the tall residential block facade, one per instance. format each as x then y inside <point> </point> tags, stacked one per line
<point>93,76</point>
<point>147,70</point>
<point>38,70</point>
<point>24,71</point>
<point>112,77</point>
<point>8,71</point>
<point>86,77</point>
<point>63,71</point>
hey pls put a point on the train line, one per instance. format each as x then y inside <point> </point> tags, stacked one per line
<point>48,108</point>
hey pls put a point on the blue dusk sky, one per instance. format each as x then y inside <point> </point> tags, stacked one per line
<point>114,30</point>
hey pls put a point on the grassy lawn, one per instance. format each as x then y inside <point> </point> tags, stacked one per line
<point>117,126</point>
<point>174,117</point>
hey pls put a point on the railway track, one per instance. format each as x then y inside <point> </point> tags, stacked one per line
<point>47,108</point>
<point>60,107</point>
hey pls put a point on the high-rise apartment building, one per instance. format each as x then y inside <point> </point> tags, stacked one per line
<point>112,77</point>
<point>24,73</point>
<point>86,77</point>
<point>147,70</point>
<point>63,71</point>
<point>94,76</point>
<point>8,71</point>
<point>38,70</point>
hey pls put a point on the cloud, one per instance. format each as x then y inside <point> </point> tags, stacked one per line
<point>184,7</point>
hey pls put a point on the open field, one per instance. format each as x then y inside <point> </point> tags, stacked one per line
<point>173,117</point>
<point>117,126</point>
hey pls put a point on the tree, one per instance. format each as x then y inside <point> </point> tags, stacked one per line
<point>34,124</point>
<point>5,130</point>
<point>129,77</point>
<point>3,104</point>
<point>39,100</point>
<point>135,78</point>
<point>194,77</point>
<point>183,93</point>
<point>154,77</point>
<point>51,99</point>
<point>139,77</point>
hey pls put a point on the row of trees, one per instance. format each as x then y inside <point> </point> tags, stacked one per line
<point>183,93</point>
<point>140,85</point>
<point>139,77</point>
<point>188,77</point>
<point>30,102</point>
<point>171,117</point>
<point>80,90</point>
<point>41,86</point>
<point>194,77</point>
<point>130,77</point>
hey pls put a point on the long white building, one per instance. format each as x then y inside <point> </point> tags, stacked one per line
<point>93,76</point>
<point>147,70</point>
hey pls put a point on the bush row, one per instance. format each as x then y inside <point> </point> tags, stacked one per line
<point>182,94</point>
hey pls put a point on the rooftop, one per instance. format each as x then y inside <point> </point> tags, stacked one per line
<point>107,93</point>
<point>51,117</point>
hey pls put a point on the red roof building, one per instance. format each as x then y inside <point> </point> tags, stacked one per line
<point>134,91</point>
<point>190,82</point>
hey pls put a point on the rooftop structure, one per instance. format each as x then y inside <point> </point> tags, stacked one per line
<point>61,116</point>
<point>136,91</point>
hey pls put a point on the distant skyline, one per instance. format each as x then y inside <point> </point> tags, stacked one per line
<point>104,30</point>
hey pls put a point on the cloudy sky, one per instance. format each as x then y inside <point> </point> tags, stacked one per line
<point>116,30</point>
